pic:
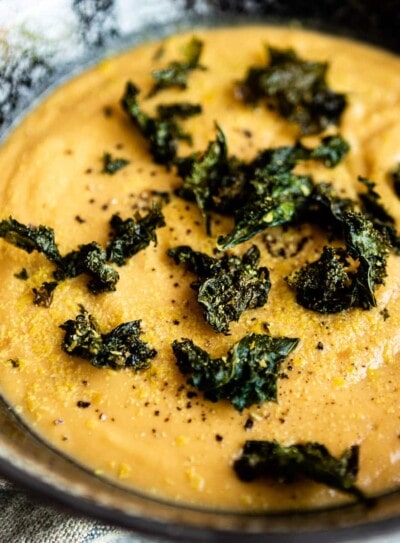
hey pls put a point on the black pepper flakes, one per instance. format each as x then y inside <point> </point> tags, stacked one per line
<point>218,437</point>
<point>82,405</point>
<point>248,425</point>
<point>320,346</point>
<point>23,274</point>
<point>107,111</point>
<point>79,219</point>
<point>385,313</point>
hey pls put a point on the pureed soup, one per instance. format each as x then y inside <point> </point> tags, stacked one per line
<point>199,269</point>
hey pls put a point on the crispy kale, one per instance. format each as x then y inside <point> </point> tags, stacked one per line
<point>162,132</point>
<point>43,296</point>
<point>113,165</point>
<point>31,238</point>
<point>324,285</point>
<point>331,284</point>
<point>260,193</point>
<point>378,214</point>
<point>89,259</point>
<point>297,89</point>
<point>287,464</point>
<point>331,151</point>
<point>247,375</point>
<point>227,286</point>
<point>133,235</point>
<point>120,348</point>
<point>278,199</point>
<point>366,245</point>
<point>181,110</point>
<point>176,73</point>
<point>326,208</point>
<point>214,180</point>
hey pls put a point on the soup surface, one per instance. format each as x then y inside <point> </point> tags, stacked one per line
<point>149,429</point>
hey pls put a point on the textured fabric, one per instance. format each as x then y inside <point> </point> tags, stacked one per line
<point>23,519</point>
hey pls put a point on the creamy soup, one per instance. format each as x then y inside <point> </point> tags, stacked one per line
<point>149,430</point>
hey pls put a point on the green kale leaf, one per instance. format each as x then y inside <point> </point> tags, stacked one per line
<point>163,131</point>
<point>365,244</point>
<point>331,151</point>
<point>31,238</point>
<point>378,214</point>
<point>297,89</point>
<point>247,375</point>
<point>89,259</point>
<point>176,73</point>
<point>214,180</point>
<point>113,165</point>
<point>261,193</point>
<point>120,348</point>
<point>278,200</point>
<point>327,208</point>
<point>324,285</point>
<point>330,285</point>
<point>133,235</point>
<point>310,460</point>
<point>227,286</point>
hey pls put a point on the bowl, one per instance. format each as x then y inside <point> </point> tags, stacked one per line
<point>42,45</point>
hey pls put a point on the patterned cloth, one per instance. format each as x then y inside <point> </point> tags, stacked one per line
<point>24,519</point>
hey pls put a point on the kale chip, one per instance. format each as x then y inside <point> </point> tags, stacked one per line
<point>327,208</point>
<point>176,73</point>
<point>31,238</point>
<point>213,179</point>
<point>366,245</point>
<point>324,285</point>
<point>297,89</point>
<point>310,460</point>
<point>278,199</point>
<point>378,214</point>
<point>331,284</point>
<point>227,286</point>
<point>261,193</point>
<point>163,131</point>
<point>133,235</point>
<point>331,151</point>
<point>120,348</point>
<point>247,375</point>
<point>89,259</point>
<point>113,165</point>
